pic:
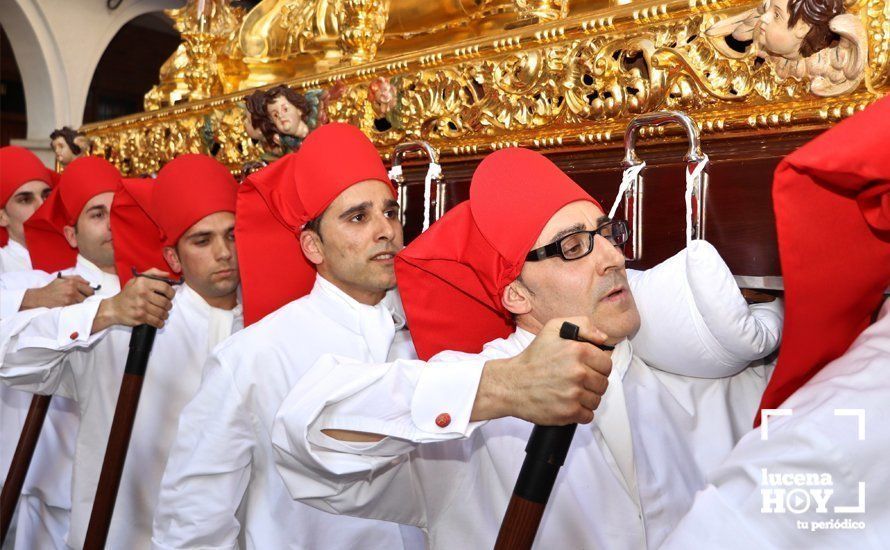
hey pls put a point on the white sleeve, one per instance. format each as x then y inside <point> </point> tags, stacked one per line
<point>401,401</point>
<point>13,286</point>
<point>34,345</point>
<point>11,302</point>
<point>764,494</point>
<point>694,320</point>
<point>208,468</point>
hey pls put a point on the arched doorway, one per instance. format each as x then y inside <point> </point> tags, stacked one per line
<point>129,67</point>
<point>13,116</point>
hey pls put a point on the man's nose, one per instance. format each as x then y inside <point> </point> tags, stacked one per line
<point>222,249</point>
<point>385,229</point>
<point>606,255</point>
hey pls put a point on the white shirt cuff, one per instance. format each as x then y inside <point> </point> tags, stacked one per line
<point>76,323</point>
<point>444,398</point>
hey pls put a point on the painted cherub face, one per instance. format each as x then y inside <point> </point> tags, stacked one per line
<point>64,154</point>
<point>287,118</point>
<point>773,34</point>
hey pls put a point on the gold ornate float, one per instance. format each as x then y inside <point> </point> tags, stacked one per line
<point>470,76</point>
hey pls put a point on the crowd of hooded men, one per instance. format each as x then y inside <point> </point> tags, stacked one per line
<point>316,384</point>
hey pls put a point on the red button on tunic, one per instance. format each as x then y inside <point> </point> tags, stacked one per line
<point>74,335</point>
<point>443,420</point>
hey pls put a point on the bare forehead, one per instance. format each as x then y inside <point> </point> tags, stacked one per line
<point>102,199</point>
<point>33,186</point>
<point>576,215</point>
<point>374,191</point>
<point>217,221</point>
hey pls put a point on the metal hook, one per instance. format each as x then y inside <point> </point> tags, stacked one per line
<point>171,282</point>
<point>633,195</point>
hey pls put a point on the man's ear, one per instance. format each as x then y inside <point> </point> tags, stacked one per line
<point>70,235</point>
<point>312,247</point>
<point>172,259</point>
<point>516,298</point>
<point>4,218</point>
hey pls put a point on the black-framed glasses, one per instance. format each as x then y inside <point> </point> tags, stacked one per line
<point>575,246</point>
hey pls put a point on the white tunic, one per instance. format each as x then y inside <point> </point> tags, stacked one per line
<point>222,459</point>
<point>52,351</point>
<point>14,258</point>
<point>49,475</point>
<point>628,478</point>
<point>753,502</point>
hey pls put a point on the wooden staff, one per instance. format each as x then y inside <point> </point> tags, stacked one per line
<point>545,454</point>
<point>141,341</point>
<point>21,461</point>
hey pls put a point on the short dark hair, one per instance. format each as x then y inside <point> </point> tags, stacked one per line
<point>69,134</point>
<point>297,99</point>
<point>818,14</point>
<point>314,225</point>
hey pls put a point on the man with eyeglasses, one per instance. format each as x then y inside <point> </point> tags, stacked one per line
<point>408,441</point>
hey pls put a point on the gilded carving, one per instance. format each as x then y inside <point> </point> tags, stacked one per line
<point>574,80</point>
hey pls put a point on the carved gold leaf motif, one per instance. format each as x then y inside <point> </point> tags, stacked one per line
<point>573,80</point>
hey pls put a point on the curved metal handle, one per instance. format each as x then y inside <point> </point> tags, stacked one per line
<point>633,195</point>
<point>400,150</point>
<point>395,173</point>
<point>660,118</point>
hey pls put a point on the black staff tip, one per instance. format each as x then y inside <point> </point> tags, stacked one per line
<point>569,331</point>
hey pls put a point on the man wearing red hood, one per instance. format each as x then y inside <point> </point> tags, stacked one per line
<point>86,191</point>
<point>815,475</point>
<point>317,232</point>
<point>24,184</point>
<point>499,273</point>
<point>184,221</point>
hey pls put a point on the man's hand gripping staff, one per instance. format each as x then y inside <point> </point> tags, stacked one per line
<point>546,452</point>
<point>145,302</point>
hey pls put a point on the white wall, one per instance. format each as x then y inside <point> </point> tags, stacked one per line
<point>57,45</point>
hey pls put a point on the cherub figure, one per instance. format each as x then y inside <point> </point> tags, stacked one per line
<point>382,95</point>
<point>260,130</point>
<point>801,39</point>
<point>288,111</point>
<point>68,144</point>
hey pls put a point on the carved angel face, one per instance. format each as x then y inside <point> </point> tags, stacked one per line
<point>287,118</point>
<point>64,154</point>
<point>773,34</point>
